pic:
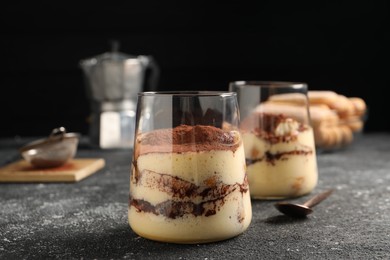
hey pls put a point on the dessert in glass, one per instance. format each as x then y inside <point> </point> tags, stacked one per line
<point>188,181</point>
<point>278,139</point>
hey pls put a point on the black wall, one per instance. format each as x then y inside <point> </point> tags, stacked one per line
<point>339,46</point>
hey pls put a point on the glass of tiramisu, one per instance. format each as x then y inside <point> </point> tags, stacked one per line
<point>278,138</point>
<point>188,181</point>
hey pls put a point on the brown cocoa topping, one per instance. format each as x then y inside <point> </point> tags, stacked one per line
<point>185,138</point>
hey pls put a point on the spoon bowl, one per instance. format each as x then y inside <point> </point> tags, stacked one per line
<point>301,210</point>
<point>295,210</point>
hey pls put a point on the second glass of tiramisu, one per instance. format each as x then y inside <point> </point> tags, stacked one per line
<point>278,138</point>
<point>188,181</point>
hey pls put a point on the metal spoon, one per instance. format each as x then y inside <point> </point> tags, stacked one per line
<point>301,210</point>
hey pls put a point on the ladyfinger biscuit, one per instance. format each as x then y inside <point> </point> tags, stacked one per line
<point>292,98</point>
<point>320,136</point>
<point>355,125</point>
<point>324,137</point>
<point>340,103</point>
<point>344,106</point>
<point>322,116</point>
<point>326,97</point>
<point>330,137</point>
<point>335,137</point>
<point>347,134</point>
<point>359,105</point>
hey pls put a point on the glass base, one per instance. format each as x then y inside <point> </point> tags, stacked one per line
<point>272,197</point>
<point>184,241</point>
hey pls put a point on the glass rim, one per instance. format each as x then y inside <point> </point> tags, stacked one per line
<point>269,83</point>
<point>189,93</point>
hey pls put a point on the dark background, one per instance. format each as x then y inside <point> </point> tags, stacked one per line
<point>199,45</point>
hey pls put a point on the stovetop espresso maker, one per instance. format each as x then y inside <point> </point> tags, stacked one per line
<point>113,80</point>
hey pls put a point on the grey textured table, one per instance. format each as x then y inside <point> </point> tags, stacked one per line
<point>88,219</point>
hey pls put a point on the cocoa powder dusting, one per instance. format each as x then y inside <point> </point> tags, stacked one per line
<point>186,138</point>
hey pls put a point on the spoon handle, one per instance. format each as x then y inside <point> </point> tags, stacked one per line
<point>318,198</point>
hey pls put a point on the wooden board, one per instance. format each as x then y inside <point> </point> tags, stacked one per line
<point>73,171</point>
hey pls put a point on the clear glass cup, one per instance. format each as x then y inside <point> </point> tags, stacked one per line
<point>278,138</point>
<point>188,182</point>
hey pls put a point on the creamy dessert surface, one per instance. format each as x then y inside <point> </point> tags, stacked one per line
<point>185,138</point>
<point>188,185</point>
<point>280,155</point>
